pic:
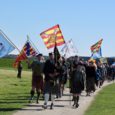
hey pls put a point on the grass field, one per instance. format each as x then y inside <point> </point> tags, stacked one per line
<point>104,103</point>
<point>14,93</point>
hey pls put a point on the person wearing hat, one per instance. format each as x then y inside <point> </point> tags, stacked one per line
<point>37,76</point>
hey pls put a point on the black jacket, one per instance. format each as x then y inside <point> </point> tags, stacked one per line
<point>49,68</point>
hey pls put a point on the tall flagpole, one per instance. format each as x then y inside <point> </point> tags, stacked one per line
<point>28,38</point>
<point>69,76</point>
<point>5,36</point>
<point>56,51</point>
<point>67,48</point>
<point>74,45</point>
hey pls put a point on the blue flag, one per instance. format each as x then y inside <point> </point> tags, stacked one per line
<point>27,46</point>
<point>29,50</point>
<point>5,45</point>
<point>97,54</point>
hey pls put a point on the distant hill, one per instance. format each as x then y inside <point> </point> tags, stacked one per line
<point>13,56</point>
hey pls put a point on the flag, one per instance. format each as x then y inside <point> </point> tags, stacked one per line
<point>29,50</point>
<point>96,47</point>
<point>22,56</point>
<point>69,49</point>
<point>103,60</point>
<point>26,52</point>
<point>56,54</point>
<point>96,50</point>
<point>72,48</point>
<point>52,36</point>
<point>97,54</point>
<point>5,45</point>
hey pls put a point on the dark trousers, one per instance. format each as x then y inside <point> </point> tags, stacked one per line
<point>19,73</point>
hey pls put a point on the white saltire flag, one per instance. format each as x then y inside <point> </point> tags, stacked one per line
<point>69,49</point>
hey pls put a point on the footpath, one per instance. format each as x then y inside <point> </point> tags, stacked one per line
<point>62,106</point>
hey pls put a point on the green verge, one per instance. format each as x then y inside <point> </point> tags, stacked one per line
<point>14,92</point>
<point>104,103</point>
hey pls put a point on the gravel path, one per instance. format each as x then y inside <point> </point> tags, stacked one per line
<point>63,106</point>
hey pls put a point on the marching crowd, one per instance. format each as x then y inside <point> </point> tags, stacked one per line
<point>49,77</point>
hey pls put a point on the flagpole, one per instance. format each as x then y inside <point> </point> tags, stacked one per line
<point>74,45</point>
<point>69,80</point>
<point>69,77</point>
<point>5,36</point>
<point>56,51</point>
<point>28,38</point>
<point>67,48</point>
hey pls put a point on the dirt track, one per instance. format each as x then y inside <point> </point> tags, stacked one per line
<point>62,106</point>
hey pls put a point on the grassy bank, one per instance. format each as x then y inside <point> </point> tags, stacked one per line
<point>14,93</point>
<point>104,103</point>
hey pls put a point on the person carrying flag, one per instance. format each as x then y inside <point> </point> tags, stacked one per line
<point>37,76</point>
<point>50,76</point>
<point>52,38</point>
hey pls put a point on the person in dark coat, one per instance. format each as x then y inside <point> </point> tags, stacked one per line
<point>113,73</point>
<point>19,70</point>
<point>50,76</point>
<point>58,78</point>
<point>109,73</point>
<point>90,78</point>
<point>77,79</point>
<point>37,76</point>
<point>99,75</point>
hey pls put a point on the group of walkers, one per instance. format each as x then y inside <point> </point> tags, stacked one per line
<point>49,77</point>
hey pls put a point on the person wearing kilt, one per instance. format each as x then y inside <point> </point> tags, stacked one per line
<point>37,76</point>
<point>50,76</point>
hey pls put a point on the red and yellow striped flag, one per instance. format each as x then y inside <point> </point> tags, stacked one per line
<point>96,46</point>
<point>53,36</point>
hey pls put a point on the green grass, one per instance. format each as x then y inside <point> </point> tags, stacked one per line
<point>104,103</point>
<point>14,93</point>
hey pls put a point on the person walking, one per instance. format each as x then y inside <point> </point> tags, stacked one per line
<point>50,76</point>
<point>19,67</point>
<point>77,79</point>
<point>90,78</point>
<point>37,76</point>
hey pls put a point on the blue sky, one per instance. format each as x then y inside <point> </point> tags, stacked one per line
<point>84,21</point>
